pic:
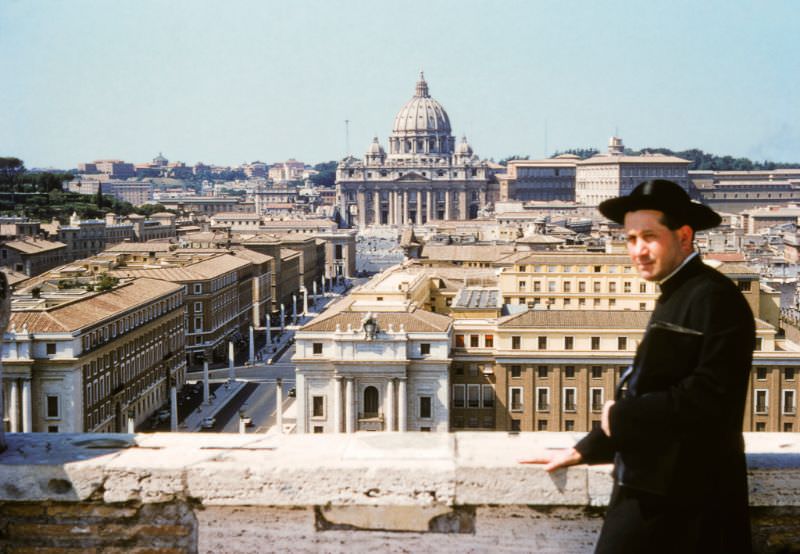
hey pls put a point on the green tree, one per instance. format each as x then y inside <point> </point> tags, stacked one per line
<point>326,176</point>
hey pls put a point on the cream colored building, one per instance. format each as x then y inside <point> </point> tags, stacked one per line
<point>77,361</point>
<point>615,174</point>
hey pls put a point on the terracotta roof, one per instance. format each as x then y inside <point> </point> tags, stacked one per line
<point>34,246</point>
<point>577,319</point>
<point>140,247</point>
<point>575,258</point>
<point>93,309</point>
<point>466,252</point>
<point>417,321</point>
<point>205,269</point>
<point>251,255</point>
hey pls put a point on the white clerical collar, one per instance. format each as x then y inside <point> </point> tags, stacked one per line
<point>677,269</point>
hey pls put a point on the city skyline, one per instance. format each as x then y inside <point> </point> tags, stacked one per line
<point>268,81</point>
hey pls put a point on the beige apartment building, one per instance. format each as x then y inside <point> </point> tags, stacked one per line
<point>615,174</point>
<point>83,361</point>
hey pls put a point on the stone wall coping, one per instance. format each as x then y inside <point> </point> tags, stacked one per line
<point>362,469</point>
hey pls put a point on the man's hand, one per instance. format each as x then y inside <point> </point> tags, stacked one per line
<point>557,459</point>
<point>605,423</point>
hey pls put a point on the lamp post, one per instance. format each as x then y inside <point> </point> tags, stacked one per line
<point>279,404</point>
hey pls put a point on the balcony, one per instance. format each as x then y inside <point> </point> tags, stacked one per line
<point>383,491</point>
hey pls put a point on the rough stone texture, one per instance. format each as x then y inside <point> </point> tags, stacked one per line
<point>462,492</point>
<point>95,526</point>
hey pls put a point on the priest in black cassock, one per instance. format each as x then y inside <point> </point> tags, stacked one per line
<point>674,432</point>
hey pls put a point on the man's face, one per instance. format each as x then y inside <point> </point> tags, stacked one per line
<point>655,249</point>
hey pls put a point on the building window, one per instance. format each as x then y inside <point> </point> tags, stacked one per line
<point>642,306</point>
<point>473,341</point>
<point>488,396</point>
<point>789,405</point>
<point>581,286</point>
<point>788,373</point>
<point>51,348</point>
<point>198,288</point>
<point>541,372</point>
<point>542,343</point>
<point>570,394</point>
<point>459,341</point>
<point>488,341</point>
<point>458,396</point>
<point>788,427</point>
<point>198,324</point>
<point>595,343</point>
<point>425,348</point>
<point>370,402</point>
<point>596,399</point>
<point>522,285</point>
<point>318,406</point>
<point>596,287</point>
<point>626,287</point>
<point>515,399</point>
<point>569,371</point>
<point>642,287</point>
<point>761,373</point>
<point>612,287</point>
<point>541,425</point>
<point>537,286</point>
<point>761,401</point>
<point>473,396</point>
<point>317,347</point>
<point>542,399</point>
<point>425,407</point>
<point>567,286</point>
<point>622,343</point>
<point>198,306</point>
<point>516,342</point>
<point>53,411</point>
<point>597,372</point>
<point>516,371</point>
<point>761,426</point>
<point>597,268</point>
<point>318,429</point>
<point>568,343</point>
<point>744,286</point>
<point>515,426</point>
<point>569,425</point>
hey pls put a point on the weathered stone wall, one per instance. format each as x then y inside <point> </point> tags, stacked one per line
<point>463,492</point>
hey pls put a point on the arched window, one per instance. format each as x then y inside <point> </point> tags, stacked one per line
<point>370,402</point>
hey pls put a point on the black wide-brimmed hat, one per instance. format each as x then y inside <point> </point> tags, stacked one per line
<point>664,196</point>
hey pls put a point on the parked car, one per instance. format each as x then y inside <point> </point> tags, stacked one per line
<point>164,415</point>
<point>208,423</point>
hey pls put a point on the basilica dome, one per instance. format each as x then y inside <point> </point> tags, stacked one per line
<point>421,127</point>
<point>422,114</point>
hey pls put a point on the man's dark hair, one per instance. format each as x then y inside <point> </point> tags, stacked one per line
<point>674,222</point>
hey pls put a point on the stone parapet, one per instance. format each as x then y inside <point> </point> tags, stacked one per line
<point>231,493</point>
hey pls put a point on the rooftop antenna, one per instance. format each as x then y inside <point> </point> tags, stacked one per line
<point>347,137</point>
<point>545,138</point>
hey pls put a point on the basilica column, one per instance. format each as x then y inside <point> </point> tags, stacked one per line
<point>402,403</point>
<point>419,194</point>
<point>447,200</point>
<point>390,209</point>
<point>337,404</point>
<point>406,207</point>
<point>462,205</point>
<point>429,207</point>
<point>348,406</point>
<point>377,201</point>
<point>27,414</point>
<point>362,208</point>
<point>13,405</point>
<point>389,405</point>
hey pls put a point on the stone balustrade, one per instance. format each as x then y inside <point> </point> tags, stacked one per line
<point>333,493</point>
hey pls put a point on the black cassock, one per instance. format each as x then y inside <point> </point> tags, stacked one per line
<point>680,481</point>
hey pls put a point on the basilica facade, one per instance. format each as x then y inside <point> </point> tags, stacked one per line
<point>424,177</point>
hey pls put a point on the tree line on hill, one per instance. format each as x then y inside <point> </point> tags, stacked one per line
<point>41,196</point>
<point>698,158</point>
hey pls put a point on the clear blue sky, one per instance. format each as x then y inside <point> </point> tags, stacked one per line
<point>237,81</point>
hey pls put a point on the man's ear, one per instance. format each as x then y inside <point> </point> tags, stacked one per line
<point>686,237</point>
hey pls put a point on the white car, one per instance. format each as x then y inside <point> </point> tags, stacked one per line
<point>208,423</point>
